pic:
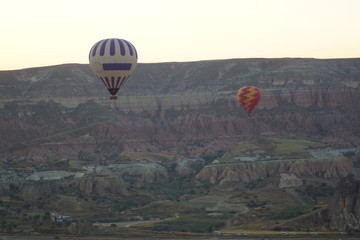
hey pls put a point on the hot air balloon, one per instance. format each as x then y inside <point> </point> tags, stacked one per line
<point>249,97</point>
<point>113,60</point>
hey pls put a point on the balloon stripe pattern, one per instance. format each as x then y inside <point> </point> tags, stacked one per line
<point>113,60</point>
<point>249,97</point>
<point>117,46</point>
<point>112,83</point>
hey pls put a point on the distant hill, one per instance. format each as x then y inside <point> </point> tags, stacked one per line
<point>185,100</point>
<point>175,83</point>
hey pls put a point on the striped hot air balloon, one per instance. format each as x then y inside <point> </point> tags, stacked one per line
<point>249,97</point>
<point>113,60</point>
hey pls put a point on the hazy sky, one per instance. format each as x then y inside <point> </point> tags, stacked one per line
<point>49,32</point>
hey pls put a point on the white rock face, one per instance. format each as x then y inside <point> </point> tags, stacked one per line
<point>53,175</point>
<point>289,180</point>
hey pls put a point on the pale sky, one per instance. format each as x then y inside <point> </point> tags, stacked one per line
<point>37,33</point>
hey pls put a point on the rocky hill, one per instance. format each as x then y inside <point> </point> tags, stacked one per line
<point>303,82</point>
<point>177,133</point>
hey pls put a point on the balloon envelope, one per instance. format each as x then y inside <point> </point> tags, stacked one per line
<point>113,60</point>
<point>249,97</point>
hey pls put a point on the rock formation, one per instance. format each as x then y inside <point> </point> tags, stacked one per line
<point>33,190</point>
<point>288,180</point>
<point>103,185</point>
<point>186,167</point>
<point>253,171</point>
<point>344,209</point>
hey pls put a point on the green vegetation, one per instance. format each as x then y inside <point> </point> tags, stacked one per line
<point>317,190</point>
<point>20,216</point>
<point>161,156</point>
<point>290,213</point>
<point>75,164</point>
<point>271,148</point>
<point>196,223</point>
<point>174,187</point>
<point>254,204</point>
<point>59,164</point>
<point>293,147</point>
<point>162,209</point>
<point>65,135</point>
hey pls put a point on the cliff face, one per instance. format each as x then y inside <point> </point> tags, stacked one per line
<point>287,180</point>
<point>212,128</point>
<point>344,209</point>
<point>34,188</point>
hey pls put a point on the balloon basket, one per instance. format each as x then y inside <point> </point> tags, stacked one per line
<point>113,97</point>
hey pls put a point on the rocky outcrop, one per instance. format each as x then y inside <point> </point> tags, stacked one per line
<point>288,180</point>
<point>32,190</point>
<point>344,209</point>
<point>187,167</point>
<point>103,185</point>
<point>53,175</point>
<point>253,171</point>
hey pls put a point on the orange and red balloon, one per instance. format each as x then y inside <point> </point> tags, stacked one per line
<point>249,97</point>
